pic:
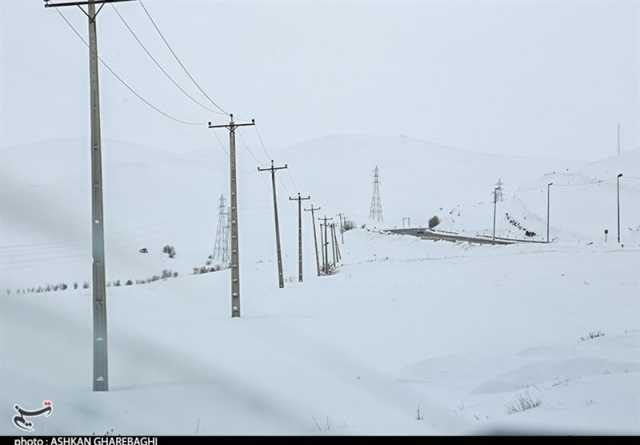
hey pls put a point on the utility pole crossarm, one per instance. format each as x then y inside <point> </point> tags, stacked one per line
<point>272,168</point>
<point>47,4</point>
<point>232,125</point>
<point>299,198</point>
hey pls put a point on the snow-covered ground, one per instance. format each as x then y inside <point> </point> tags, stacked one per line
<point>410,337</point>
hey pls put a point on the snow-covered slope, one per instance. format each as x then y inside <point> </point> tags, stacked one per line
<point>584,201</point>
<point>410,337</point>
<point>153,198</point>
<point>419,179</point>
<point>458,334</point>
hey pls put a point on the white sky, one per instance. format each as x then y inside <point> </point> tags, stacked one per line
<point>520,77</point>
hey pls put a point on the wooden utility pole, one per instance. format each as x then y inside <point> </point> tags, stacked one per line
<point>273,170</point>
<point>325,243</point>
<point>315,238</point>
<point>98,288</point>
<point>300,199</point>
<point>233,184</point>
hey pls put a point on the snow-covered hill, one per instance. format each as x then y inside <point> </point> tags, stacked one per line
<point>154,197</point>
<point>419,179</point>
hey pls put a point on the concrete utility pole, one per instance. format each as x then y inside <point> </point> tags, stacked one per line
<point>99,293</point>
<point>315,238</point>
<point>300,199</point>
<point>233,183</point>
<point>332,227</point>
<point>618,189</point>
<point>548,206</point>
<point>341,216</point>
<point>273,170</point>
<point>322,247</point>
<point>325,247</point>
<point>335,241</point>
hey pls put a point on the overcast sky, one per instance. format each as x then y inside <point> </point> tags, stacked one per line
<point>520,77</point>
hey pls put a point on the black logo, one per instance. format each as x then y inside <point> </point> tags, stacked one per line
<point>21,421</point>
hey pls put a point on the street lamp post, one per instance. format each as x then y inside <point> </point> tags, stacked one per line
<point>618,195</point>
<point>495,200</point>
<point>548,206</point>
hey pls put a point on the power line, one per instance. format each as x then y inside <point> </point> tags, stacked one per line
<point>123,82</point>
<point>221,145</point>
<point>175,56</point>
<point>264,148</point>
<point>157,63</point>
<point>246,147</point>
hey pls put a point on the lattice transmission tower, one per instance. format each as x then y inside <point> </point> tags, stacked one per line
<point>375,211</point>
<point>221,247</point>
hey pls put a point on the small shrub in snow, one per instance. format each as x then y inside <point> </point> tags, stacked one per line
<point>166,274</point>
<point>591,335</point>
<point>433,222</point>
<point>169,250</point>
<point>524,402</point>
<point>348,225</point>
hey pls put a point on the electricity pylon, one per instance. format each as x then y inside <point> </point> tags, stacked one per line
<point>497,196</point>
<point>221,247</point>
<point>375,210</point>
